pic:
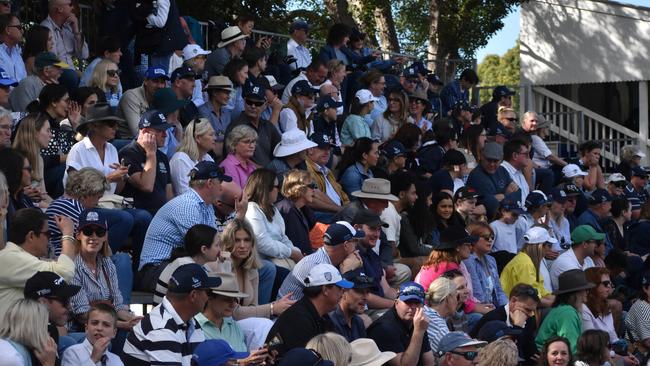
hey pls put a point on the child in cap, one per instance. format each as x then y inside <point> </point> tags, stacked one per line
<point>354,125</point>
<point>505,245</point>
<point>101,328</point>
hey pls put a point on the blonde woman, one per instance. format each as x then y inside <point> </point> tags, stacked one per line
<point>23,334</point>
<point>298,191</point>
<point>332,86</point>
<point>527,267</point>
<point>502,352</point>
<point>394,117</point>
<point>238,239</point>
<point>333,347</point>
<point>198,140</point>
<point>106,77</point>
<point>32,135</point>
<point>241,143</point>
<point>441,302</point>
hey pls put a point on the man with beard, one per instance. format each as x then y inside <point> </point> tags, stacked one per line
<point>346,318</point>
<point>402,185</point>
<point>403,329</point>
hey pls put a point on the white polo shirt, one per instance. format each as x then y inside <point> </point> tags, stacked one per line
<point>84,155</point>
<point>565,262</point>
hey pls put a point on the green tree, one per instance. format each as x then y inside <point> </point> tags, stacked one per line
<point>499,70</point>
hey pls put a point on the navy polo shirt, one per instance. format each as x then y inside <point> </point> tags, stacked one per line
<point>372,267</point>
<point>351,332</point>
<point>441,180</point>
<point>134,155</point>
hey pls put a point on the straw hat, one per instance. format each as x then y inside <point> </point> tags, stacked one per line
<point>366,353</point>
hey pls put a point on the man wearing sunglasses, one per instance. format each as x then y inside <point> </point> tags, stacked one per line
<point>409,80</point>
<point>268,135</point>
<point>458,349</point>
<point>11,34</point>
<point>403,329</point>
<point>28,241</point>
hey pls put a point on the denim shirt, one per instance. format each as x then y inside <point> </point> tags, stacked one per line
<point>485,280</point>
<point>353,178</point>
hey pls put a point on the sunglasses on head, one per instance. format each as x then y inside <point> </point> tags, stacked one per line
<point>254,103</point>
<point>112,73</point>
<point>469,355</point>
<point>90,230</point>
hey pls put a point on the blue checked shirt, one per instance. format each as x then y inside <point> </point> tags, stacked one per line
<point>171,223</point>
<point>293,283</point>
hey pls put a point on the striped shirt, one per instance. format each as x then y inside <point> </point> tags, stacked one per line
<point>62,206</point>
<point>293,283</point>
<point>94,287</point>
<point>162,338</point>
<point>437,327</point>
<point>637,321</point>
<point>171,223</point>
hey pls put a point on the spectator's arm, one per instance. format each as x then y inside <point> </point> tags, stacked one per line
<point>378,302</point>
<point>322,202</point>
<point>159,17</point>
<point>556,160</point>
<point>266,245</point>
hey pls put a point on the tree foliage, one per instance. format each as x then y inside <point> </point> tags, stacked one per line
<point>499,70</point>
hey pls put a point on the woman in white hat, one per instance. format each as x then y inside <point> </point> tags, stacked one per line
<point>355,126</point>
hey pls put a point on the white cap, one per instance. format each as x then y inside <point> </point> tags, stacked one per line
<point>616,177</point>
<point>326,274</point>
<point>365,96</point>
<point>538,235</point>
<point>192,50</point>
<point>572,170</point>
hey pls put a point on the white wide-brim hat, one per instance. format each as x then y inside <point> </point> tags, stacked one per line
<point>230,35</point>
<point>293,141</point>
<point>366,353</point>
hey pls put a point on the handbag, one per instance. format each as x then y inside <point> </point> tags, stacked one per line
<point>114,201</point>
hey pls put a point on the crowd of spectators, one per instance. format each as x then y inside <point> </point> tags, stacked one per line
<point>323,207</point>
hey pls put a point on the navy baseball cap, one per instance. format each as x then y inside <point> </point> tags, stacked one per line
<point>184,72</point>
<point>254,91</point>
<point>299,24</point>
<point>215,352</point>
<point>303,87</point>
<point>340,232</point>
<point>512,206</point>
<point>393,148</point>
<point>599,195</point>
<point>410,72</point>
<point>190,277</point>
<point>638,171</point>
<point>302,357</point>
<point>558,195</point>
<point>462,105</point>
<point>434,79</point>
<point>154,119</point>
<point>411,291</point>
<point>502,91</point>
<point>571,189</point>
<point>326,102</point>
<point>208,170</point>
<point>465,193</point>
<point>5,79</point>
<point>495,329</point>
<point>360,280</point>
<point>156,72</point>
<point>323,140</point>
<point>536,199</point>
<point>49,285</point>
<point>420,68</point>
<point>92,217</point>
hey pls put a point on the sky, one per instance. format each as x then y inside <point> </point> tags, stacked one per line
<point>505,39</point>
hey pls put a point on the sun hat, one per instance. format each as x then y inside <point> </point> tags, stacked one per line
<point>365,96</point>
<point>542,122</point>
<point>326,274</point>
<point>192,50</point>
<point>538,235</point>
<point>583,233</point>
<point>219,82</point>
<point>572,170</point>
<point>230,35</point>
<point>420,95</point>
<point>99,112</point>
<point>340,232</point>
<point>377,188</point>
<point>366,353</point>
<point>292,142</point>
<point>229,286</point>
<point>571,281</point>
<point>454,236</point>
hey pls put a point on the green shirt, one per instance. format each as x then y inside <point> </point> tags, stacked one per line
<point>229,332</point>
<point>563,321</point>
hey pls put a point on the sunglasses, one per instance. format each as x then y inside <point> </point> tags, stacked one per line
<point>254,103</point>
<point>412,81</point>
<point>607,284</point>
<point>488,237</point>
<point>18,26</point>
<point>512,119</point>
<point>113,73</point>
<point>312,185</point>
<point>90,230</point>
<point>469,355</point>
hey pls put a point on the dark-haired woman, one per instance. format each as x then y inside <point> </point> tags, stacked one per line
<point>201,245</point>
<point>38,39</point>
<point>416,227</point>
<point>338,36</point>
<point>18,172</point>
<point>237,71</point>
<point>444,215</point>
<point>54,102</point>
<point>593,348</point>
<point>556,352</point>
<point>356,164</point>
<point>472,142</point>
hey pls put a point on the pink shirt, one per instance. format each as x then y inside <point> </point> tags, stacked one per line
<point>430,274</point>
<point>233,168</point>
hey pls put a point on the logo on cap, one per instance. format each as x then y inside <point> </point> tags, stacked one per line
<point>4,75</point>
<point>92,216</point>
<point>146,123</point>
<point>59,281</point>
<point>43,292</point>
<point>195,51</point>
<point>196,283</point>
<point>328,276</point>
<point>159,71</point>
<point>162,117</point>
<point>256,89</point>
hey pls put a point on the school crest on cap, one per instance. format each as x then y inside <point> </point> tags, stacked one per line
<point>92,216</point>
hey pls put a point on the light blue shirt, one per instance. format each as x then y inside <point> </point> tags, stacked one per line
<point>12,61</point>
<point>300,53</point>
<point>353,128</point>
<point>380,107</point>
<point>219,123</point>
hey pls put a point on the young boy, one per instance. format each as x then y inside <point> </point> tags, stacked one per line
<point>101,328</point>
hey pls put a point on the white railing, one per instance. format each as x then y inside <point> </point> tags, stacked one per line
<point>577,124</point>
